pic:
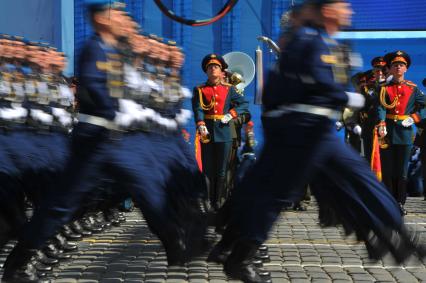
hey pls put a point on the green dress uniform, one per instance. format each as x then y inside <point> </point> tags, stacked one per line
<point>210,104</point>
<point>398,101</point>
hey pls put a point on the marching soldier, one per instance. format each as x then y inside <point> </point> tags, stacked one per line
<point>298,120</point>
<point>96,145</point>
<point>400,103</point>
<point>215,103</point>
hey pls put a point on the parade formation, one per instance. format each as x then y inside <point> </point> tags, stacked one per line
<point>74,151</point>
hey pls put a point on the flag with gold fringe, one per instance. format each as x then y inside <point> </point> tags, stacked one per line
<point>197,144</point>
<point>376,165</point>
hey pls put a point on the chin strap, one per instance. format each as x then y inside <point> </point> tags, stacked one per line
<point>196,23</point>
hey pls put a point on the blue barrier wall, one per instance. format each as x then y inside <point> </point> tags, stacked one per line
<point>36,20</point>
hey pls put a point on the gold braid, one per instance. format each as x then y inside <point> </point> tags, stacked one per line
<point>383,99</point>
<point>204,106</point>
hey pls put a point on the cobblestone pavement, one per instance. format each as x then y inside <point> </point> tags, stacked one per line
<point>300,251</point>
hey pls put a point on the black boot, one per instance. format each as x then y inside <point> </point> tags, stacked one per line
<point>18,266</point>
<point>68,233</point>
<point>51,251</point>
<point>402,195</point>
<point>89,224</point>
<point>62,243</point>
<point>220,252</point>
<point>41,257</point>
<point>264,257</point>
<point>239,263</point>
<point>77,228</point>
<point>121,217</point>
<point>112,216</point>
<point>221,192</point>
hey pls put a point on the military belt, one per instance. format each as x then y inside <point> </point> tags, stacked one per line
<point>397,117</point>
<point>97,121</point>
<point>304,108</point>
<point>213,117</point>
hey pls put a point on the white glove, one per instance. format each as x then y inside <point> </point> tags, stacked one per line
<point>407,122</point>
<point>355,100</point>
<point>357,130</point>
<point>226,119</point>
<point>41,116</point>
<point>65,121</point>
<point>203,130</point>
<point>19,89</point>
<point>382,131</point>
<point>186,92</point>
<point>339,125</point>
<point>123,119</point>
<point>183,116</point>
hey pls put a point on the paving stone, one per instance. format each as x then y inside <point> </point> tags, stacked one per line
<point>91,275</point>
<point>70,274</point>
<point>339,276</point>
<point>314,280</point>
<point>112,280</point>
<point>318,275</point>
<point>200,276</point>
<point>307,253</point>
<point>66,280</point>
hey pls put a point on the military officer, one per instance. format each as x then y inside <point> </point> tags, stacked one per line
<point>379,64</point>
<point>215,103</point>
<point>368,114</point>
<point>400,103</point>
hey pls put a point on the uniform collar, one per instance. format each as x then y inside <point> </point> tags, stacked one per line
<point>211,84</point>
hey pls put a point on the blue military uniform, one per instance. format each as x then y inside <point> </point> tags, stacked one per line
<point>398,101</point>
<point>300,146</point>
<point>210,104</point>
<point>98,149</point>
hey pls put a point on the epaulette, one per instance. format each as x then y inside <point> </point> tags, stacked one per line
<point>410,83</point>
<point>310,31</point>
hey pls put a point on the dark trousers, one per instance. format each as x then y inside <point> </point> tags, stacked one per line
<point>394,161</point>
<point>297,148</point>
<point>215,158</point>
<point>423,161</point>
<point>94,155</point>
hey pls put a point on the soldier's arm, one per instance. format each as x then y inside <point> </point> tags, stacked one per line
<point>239,103</point>
<point>381,112</point>
<point>320,73</point>
<point>419,101</point>
<point>196,107</point>
<point>93,90</point>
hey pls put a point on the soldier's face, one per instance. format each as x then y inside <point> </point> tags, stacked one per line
<point>214,71</point>
<point>341,12</point>
<point>398,69</point>
<point>378,73</point>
